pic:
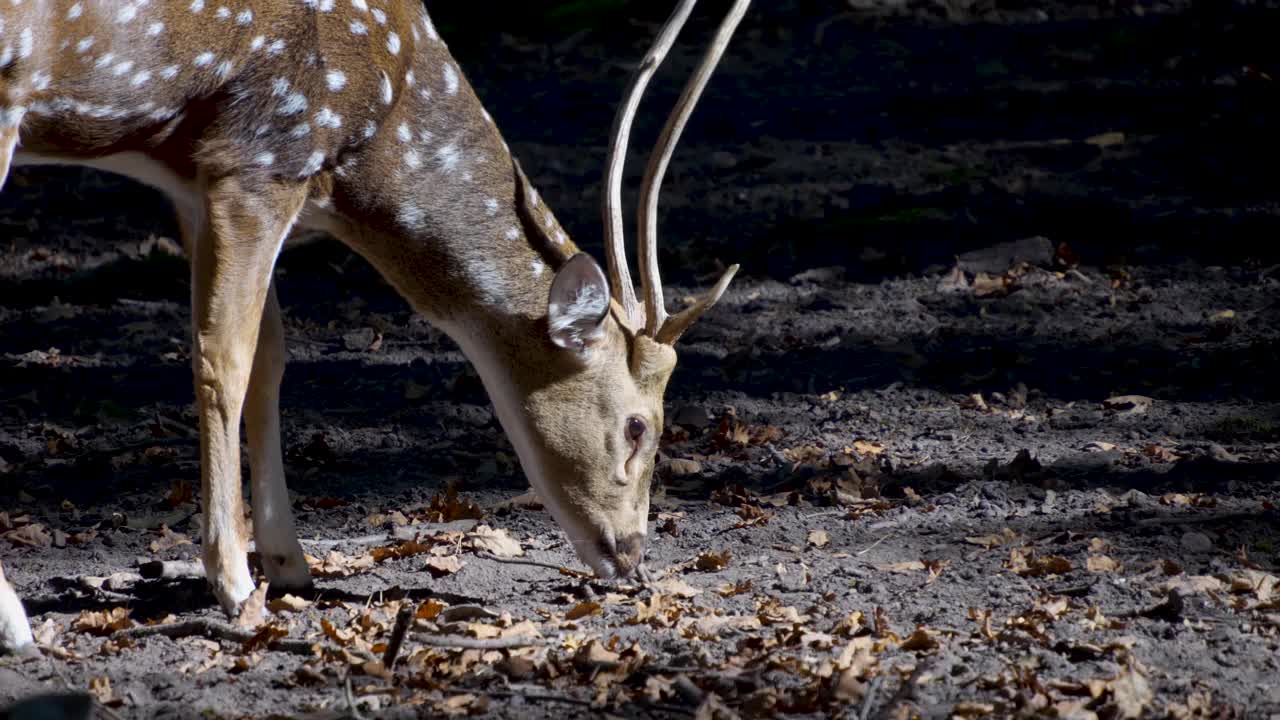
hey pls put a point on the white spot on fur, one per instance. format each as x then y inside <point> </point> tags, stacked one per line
<point>244,17</point>
<point>410,216</point>
<point>105,60</point>
<point>300,130</point>
<point>410,79</point>
<point>169,72</point>
<point>292,105</point>
<point>155,29</point>
<point>513,233</point>
<point>370,129</point>
<point>122,67</point>
<point>313,165</point>
<point>450,79</point>
<point>276,47</point>
<point>75,11</point>
<point>141,78</point>
<point>491,206</point>
<point>560,237</point>
<point>127,13</point>
<point>257,42</point>
<point>393,43</point>
<point>379,16</point>
<point>83,46</point>
<point>431,29</point>
<point>412,159</point>
<point>336,80</point>
<point>264,159</point>
<point>328,118</point>
<point>223,13</point>
<point>360,5</point>
<point>197,6</point>
<point>537,267</point>
<point>203,59</point>
<point>358,28</point>
<point>388,93</point>
<point>40,80</point>
<point>279,86</point>
<point>224,69</point>
<point>448,156</point>
<point>26,41</point>
<point>402,132</point>
<point>548,219</point>
<point>326,6</point>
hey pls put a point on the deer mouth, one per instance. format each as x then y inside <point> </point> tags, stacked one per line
<point>619,558</point>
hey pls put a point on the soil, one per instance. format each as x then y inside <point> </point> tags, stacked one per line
<point>989,425</point>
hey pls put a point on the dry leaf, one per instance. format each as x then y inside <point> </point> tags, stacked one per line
<point>168,539</point>
<point>712,561</point>
<point>441,566</point>
<point>818,538</point>
<point>498,542</point>
<point>867,448</point>
<point>102,622</point>
<point>288,603</point>
<point>1101,563</point>
<point>676,587</point>
<point>100,688</point>
<point>583,609</point>
<point>989,541</point>
<point>33,535</point>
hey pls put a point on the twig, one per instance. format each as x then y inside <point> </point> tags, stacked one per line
<point>467,643</point>
<point>535,563</point>
<point>872,546</point>
<point>568,700</point>
<point>214,629</point>
<point>869,699</point>
<point>361,540</point>
<point>171,570</point>
<point>1196,519</point>
<point>351,699</point>
<point>403,619</point>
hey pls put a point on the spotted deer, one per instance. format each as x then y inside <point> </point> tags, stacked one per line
<point>351,117</point>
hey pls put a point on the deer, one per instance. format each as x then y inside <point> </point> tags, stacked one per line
<point>261,118</point>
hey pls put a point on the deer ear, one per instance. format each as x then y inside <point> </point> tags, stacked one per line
<point>578,304</point>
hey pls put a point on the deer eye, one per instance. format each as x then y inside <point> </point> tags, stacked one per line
<point>635,429</point>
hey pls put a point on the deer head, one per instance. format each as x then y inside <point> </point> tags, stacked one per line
<point>590,417</point>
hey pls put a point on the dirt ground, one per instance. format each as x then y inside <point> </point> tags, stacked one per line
<point>988,426</point>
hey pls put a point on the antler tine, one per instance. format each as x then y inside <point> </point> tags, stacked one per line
<point>647,222</point>
<point>615,237</point>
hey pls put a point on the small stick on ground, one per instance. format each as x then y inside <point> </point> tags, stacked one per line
<point>404,618</point>
<point>218,630</point>
<point>466,643</point>
<point>535,563</point>
<point>171,570</point>
<point>872,546</point>
<point>215,630</point>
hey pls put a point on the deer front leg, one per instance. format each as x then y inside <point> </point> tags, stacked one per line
<point>231,276</point>
<point>15,630</point>
<point>273,528</point>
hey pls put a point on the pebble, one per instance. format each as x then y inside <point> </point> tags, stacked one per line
<point>1197,542</point>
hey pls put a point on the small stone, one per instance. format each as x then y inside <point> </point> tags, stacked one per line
<point>1197,542</point>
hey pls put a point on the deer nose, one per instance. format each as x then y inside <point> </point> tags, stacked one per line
<point>627,553</point>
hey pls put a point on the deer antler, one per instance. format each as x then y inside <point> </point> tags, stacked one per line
<point>653,311</point>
